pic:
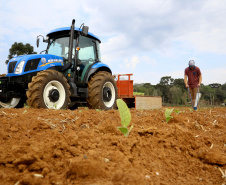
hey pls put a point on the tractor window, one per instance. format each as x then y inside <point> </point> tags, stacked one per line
<point>87,55</point>
<point>87,49</point>
<point>60,47</point>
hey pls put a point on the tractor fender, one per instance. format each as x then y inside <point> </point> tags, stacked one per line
<point>96,67</point>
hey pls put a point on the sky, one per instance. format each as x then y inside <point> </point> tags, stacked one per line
<point>148,38</point>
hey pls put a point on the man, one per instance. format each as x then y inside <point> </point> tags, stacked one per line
<point>192,79</point>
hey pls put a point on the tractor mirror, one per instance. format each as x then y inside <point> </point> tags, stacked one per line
<point>37,42</point>
<point>85,30</point>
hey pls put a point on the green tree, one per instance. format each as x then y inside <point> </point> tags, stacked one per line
<point>157,92</point>
<point>20,49</point>
<point>185,98</point>
<point>220,93</point>
<point>175,95</point>
<point>166,80</point>
<point>145,88</point>
<point>179,82</point>
<point>164,85</point>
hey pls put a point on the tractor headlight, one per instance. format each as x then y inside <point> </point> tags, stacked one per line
<point>19,67</point>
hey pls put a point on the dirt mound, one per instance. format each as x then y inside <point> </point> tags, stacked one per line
<point>41,146</point>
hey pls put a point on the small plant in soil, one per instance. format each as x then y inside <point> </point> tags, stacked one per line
<point>125,116</point>
<point>167,114</point>
<point>190,109</point>
<point>177,111</point>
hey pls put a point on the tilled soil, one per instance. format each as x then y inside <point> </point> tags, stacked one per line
<point>63,147</point>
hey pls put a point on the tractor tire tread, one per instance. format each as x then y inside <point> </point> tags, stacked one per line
<point>35,87</point>
<point>94,86</point>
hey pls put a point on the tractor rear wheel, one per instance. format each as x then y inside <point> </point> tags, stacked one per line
<point>48,89</point>
<point>102,91</point>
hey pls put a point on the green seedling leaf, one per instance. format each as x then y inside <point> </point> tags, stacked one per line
<point>167,114</point>
<point>190,109</point>
<point>124,130</point>
<point>168,118</point>
<point>125,116</point>
<point>130,129</point>
<point>124,113</point>
<point>177,111</point>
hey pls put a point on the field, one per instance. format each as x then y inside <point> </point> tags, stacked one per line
<point>63,147</point>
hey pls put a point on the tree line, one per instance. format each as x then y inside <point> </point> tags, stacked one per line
<point>173,91</point>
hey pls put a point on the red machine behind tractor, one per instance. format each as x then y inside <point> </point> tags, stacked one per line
<point>125,92</point>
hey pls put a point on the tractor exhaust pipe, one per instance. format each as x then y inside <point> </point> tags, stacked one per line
<point>71,41</point>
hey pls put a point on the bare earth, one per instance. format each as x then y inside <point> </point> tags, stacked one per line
<point>63,147</point>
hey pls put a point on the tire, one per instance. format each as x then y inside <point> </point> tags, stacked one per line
<point>12,103</point>
<point>102,91</point>
<point>48,89</point>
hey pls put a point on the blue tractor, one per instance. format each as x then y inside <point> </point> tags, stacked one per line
<point>70,72</point>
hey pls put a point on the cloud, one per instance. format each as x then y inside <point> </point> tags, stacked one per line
<point>133,63</point>
<point>209,76</point>
<point>143,37</point>
<point>148,60</point>
<point>137,62</point>
<point>154,25</point>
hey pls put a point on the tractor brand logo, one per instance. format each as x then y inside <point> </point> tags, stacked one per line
<point>52,62</point>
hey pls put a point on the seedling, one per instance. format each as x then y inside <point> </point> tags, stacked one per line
<point>177,111</point>
<point>167,114</point>
<point>191,109</point>
<point>125,117</point>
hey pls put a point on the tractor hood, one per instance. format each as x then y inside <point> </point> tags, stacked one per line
<point>32,63</point>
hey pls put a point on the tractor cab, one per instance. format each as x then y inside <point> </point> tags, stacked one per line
<point>85,51</point>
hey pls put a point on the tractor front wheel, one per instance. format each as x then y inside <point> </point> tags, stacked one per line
<point>48,89</point>
<point>102,91</point>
